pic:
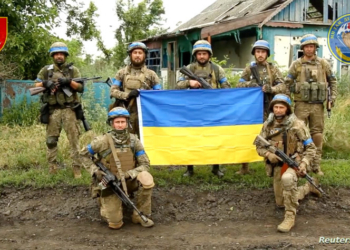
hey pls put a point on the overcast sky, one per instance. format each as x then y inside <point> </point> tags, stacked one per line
<point>175,11</point>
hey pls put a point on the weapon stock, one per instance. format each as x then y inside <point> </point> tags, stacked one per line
<point>192,76</point>
<point>37,90</point>
<point>261,141</point>
<point>111,180</point>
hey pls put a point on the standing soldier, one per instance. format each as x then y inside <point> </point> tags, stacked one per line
<point>308,79</point>
<point>132,78</point>
<point>130,155</point>
<point>209,71</point>
<point>289,134</point>
<point>60,101</point>
<point>270,76</point>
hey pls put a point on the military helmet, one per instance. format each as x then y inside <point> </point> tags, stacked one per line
<point>281,98</point>
<point>137,45</point>
<point>118,112</point>
<point>202,45</point>
<point>308,39</point>
<point>58,47</point>
<point>261,44</point>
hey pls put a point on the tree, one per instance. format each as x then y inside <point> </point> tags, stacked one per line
<point>137,22</point>
<point>29,30</point>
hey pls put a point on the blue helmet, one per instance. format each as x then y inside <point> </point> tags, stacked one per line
<point>281,98</point>
<point>137,45</point>
<point>118,112</point>
<point>58,47</point>
<point>261,44</point>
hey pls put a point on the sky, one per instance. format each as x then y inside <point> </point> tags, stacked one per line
<point>175,11</point>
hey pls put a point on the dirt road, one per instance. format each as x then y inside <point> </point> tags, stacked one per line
<point>67,218</point>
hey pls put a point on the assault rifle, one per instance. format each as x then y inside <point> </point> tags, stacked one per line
<point>37,90</point>
<point>187,72</point>
<point>329,101</point>
<point>79,112</point>
<point>261,141</point>
<point>110,180</point>
<point>256,76</point>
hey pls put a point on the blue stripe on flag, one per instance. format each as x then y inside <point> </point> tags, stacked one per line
<point>202,108</point>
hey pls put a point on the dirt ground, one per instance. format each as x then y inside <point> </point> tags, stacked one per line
<point>67,218</point>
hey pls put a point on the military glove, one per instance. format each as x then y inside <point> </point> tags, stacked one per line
<point>272,157</point>
<point>64,81</point>
<point>49,84</point>
<point>267,88</point>
<point>134,93</point>
<point>302,169</point>
<point>98,174</point>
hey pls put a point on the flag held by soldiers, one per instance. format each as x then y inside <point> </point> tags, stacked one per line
<point>200,127</point>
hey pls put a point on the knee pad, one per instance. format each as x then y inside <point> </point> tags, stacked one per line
<point>289,181</point>
<point>51,142</point>
<point>146,180</point>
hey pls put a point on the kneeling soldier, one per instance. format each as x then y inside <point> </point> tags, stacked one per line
<point>127,152</point>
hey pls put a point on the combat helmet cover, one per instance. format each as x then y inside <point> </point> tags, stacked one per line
<point>58,47</point>
<point>281,98</point>
<point>308,39</point>
<point>202,45</point>
<point>261,44</point>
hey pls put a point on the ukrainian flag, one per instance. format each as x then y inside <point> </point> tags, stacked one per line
<point>215,126</point>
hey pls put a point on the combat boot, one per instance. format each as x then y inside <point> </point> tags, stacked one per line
<point>135,218</point>
<point>189,171</point>
<point>244,169</point>
<point>77,172</point>
<point>115,226</point>
<point>216,171</point>
<point>313,189</point>
<point>287,223</point>
<point>53,168</point>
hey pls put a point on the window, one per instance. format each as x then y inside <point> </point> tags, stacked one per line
<point>153,60</point>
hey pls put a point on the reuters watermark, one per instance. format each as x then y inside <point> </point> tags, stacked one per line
<point>336,240</point>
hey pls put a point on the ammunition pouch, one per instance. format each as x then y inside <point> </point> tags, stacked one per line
<point>314,92</point>
<point>305,91</point>
<point>45,114</point>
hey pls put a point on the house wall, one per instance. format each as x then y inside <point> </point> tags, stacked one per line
<point>239,54</point>
<point>282,39</point>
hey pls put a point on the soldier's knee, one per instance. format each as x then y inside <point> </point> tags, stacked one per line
<point>289,181</point>
<point>52,141</point>
<point>146,180</point>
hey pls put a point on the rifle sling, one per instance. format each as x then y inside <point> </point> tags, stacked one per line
<point>117,163</point>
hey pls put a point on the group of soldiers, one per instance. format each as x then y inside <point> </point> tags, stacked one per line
<point>298,134</point>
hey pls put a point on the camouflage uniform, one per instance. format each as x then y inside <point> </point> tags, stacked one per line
<point>308,81</point>
<point>269,75</point>
<point>62,114</point>
<point>293,137</point>
<point>211,72</point>
<point>134,161</point>
<point>133,78</point>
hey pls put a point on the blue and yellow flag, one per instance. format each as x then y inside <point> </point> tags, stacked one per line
<point>195,127</point>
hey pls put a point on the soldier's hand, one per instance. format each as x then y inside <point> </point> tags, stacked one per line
<point>133,94</point>
<point>267,89</point>
<point>98,175</point>
<point>302,169</point>
<point>272,157</point>
<point>64,81</point>
<point>195,84</point>
<point>49,85</point>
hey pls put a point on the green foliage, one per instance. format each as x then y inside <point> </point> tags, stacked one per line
<point>29,26</point>
<point>137,22</point>
<point>22,114</point>
<point>231,78</point>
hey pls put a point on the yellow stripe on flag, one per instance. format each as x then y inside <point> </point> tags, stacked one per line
<point>223,144</point>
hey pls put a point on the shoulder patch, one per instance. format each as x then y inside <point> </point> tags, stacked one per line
<point>253,63</point>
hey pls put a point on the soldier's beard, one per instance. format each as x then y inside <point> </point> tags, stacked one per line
<point>202,62</point>
<point>59,62</point>
<point>138,63</point>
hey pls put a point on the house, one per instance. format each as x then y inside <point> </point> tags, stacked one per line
<point>232,27</point>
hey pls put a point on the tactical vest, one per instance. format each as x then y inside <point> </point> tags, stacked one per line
<point>278,136</point>
<point>311,87</point>
<point>139,81</point>
<point>126,156</point>
<point>59,98</point>
<point>210,73</point>
<point>264,73</point>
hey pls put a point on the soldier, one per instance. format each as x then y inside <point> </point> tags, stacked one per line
<point>57,79</point>
<point>132,78</point>
<point>270,77</point>
<point>209,71</point>
<point>134,163</point>
<point>286,132</point>
<point>308,79</point>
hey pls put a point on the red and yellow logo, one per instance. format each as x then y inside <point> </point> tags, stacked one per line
<point>3,32</point>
